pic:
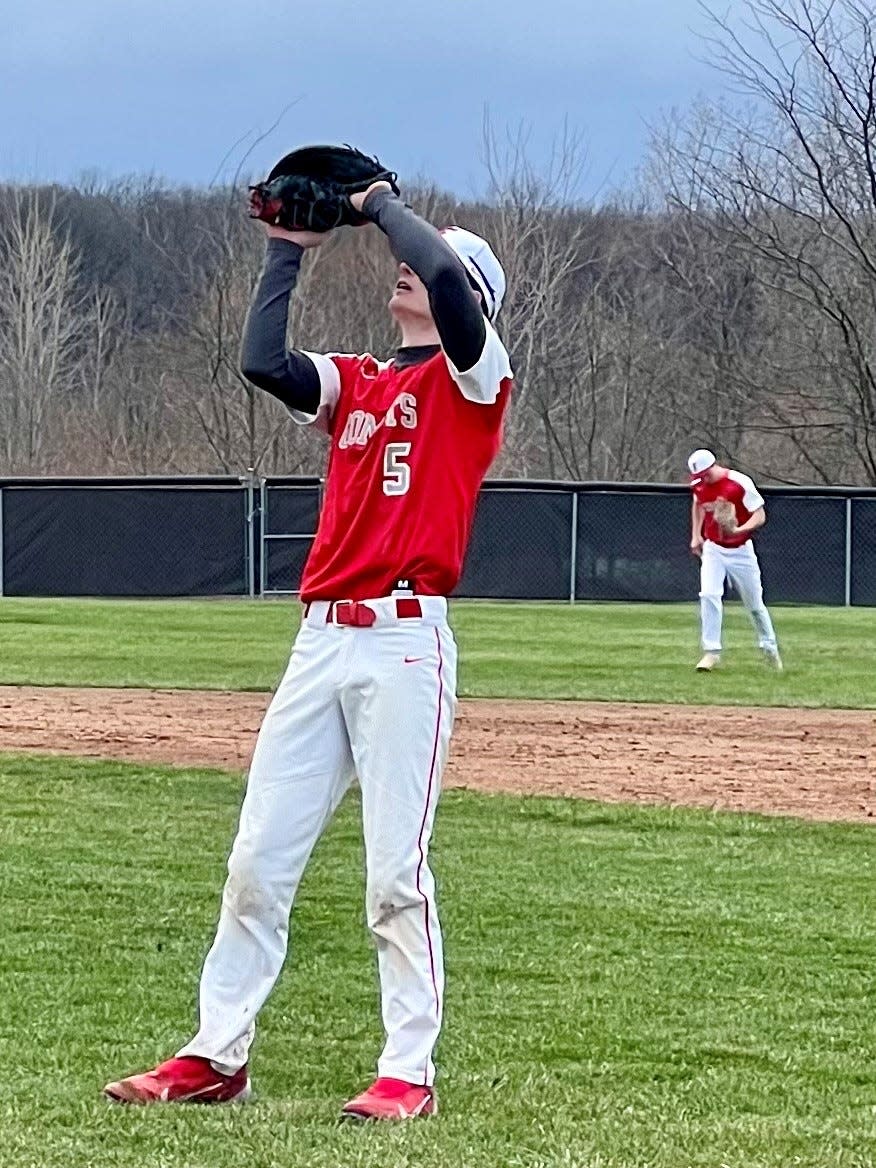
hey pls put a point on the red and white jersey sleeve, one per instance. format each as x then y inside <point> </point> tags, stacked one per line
<point>483,382</point>
<point>329,391</point>
<point>751,496</point>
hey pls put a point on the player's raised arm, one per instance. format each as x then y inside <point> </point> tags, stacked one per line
<point>455,307</point>
<point>290,375</point>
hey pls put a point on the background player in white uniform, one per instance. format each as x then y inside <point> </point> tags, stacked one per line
<point>727,554</point>
<point>370,686</point>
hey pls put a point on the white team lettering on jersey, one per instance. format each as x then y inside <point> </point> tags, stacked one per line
<point>361,426</point>
<point>407,404</point>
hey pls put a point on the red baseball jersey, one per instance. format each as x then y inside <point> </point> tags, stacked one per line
<point>741,492</point>
<point>409,450</point>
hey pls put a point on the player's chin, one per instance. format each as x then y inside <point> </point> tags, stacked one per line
<point>401,311</point>
<point>403,306</point>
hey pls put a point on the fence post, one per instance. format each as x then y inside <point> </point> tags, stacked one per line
<point>573,557</point>
<point>263,546</point>
<point>1,541</point>
<point>848,580</point>
<point>250,531</point>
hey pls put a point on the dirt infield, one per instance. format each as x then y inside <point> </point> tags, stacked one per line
<point>819,764</point>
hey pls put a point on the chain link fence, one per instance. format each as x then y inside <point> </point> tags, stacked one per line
<point>530,541</point>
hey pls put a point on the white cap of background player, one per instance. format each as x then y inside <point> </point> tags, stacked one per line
<point>481,264</point>
<point>699,462</point>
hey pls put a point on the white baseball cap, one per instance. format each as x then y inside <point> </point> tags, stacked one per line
<point>480,262</point>
<point>699,462</point>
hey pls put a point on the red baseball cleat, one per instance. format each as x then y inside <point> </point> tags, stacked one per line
<point>391,1099</point>
<point>181,1080</point>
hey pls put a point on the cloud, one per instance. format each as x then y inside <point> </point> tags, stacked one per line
<point>167,87</point>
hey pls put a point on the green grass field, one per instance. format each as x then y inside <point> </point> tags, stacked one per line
<point>600,651</point>
<point>627,987</point>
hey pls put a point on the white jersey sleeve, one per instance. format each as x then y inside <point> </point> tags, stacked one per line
<point>329,392</point>
<point>752,499</point>
<point>483,381</point>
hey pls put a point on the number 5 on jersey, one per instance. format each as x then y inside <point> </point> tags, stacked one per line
<point>396,472</point>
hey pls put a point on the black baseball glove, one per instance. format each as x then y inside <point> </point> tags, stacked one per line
<point>309,189</point>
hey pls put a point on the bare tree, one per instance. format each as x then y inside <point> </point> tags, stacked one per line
<point>42,326</point>
<point>789,187</point>
<point>532,220</point>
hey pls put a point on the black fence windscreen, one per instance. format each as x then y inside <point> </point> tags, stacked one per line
<point>802,549</point>
<point>521,546</point>
<point>634,547</point>
<point>291,510</point>
<point>530,541</point>
<point>118,541</point>
<point>863,551</point>
<point>284,564</point>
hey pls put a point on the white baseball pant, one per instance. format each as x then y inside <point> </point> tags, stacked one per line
<point>741,566</point>
<point>379,703</point>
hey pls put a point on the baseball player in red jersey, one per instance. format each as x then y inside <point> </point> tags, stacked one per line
<point>370,686</point>
<point>727,552</point>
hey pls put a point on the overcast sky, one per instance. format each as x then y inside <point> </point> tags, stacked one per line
<point>150,86</point>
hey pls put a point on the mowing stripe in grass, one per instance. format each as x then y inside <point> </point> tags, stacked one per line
<point>606,652</point>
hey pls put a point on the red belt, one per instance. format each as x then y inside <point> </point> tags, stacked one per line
<point>360,616</point>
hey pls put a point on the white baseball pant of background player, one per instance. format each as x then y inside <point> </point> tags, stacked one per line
<point>741,566</point>
<point>390,689</point>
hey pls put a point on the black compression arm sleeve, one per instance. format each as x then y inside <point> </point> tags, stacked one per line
<point>455,308</point>
<point>290,376</point>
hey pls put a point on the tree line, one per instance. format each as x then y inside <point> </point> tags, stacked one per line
<point>727,299</point>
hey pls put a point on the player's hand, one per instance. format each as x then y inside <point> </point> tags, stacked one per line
<point>357,201</point>
<point>302,238</point>
<point>696,546</point>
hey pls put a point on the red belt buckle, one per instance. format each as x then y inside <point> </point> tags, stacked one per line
<point>351,612</point>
